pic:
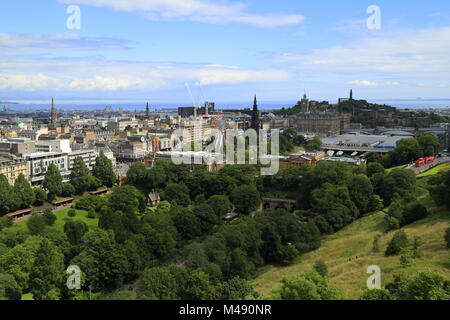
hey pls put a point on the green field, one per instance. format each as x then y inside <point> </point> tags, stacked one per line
<point>356,242</point>
<point>62,218</point>
<point>440,168</point>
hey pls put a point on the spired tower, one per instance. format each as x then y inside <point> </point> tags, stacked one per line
<point>256,124</point>
<point>147,110</point>
<point>53,116</point>
<point>351,94</point>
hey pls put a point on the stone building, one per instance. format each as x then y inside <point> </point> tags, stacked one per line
<point>12,168</point>
<point>320,123</point>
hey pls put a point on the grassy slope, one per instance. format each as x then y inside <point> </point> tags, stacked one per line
<point>435,170</point>
<point>357,240</point>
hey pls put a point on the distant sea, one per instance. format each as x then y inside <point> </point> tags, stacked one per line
<point>140,105</point>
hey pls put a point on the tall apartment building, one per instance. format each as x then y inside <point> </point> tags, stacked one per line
<point>38,163</point>
<point>12,168</point>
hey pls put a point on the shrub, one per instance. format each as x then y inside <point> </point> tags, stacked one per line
<point>91,214</point>
<point>72,213</point>
<point>393,223</point>
<point>447,238</point>
<point>321,267</point>
<point>49,217</point>
<point>376,294</point>
<point>397,243</point>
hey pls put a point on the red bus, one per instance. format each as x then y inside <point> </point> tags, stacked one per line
<point>430,160</point>
<point>420,163</point>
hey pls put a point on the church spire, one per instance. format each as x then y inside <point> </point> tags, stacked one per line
<point>53,115</point>
<point>255,124</point>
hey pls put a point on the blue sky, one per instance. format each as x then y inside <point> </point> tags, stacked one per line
<point>149,50</point>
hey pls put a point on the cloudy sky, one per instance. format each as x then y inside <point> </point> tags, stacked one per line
<point>225,50</point>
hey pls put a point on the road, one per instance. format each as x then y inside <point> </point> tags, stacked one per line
<point>419,170</point>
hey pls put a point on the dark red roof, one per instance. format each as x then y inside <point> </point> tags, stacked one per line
<point>12,214</point>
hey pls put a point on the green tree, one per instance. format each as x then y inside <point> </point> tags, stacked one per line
<point>37,225</point>
<point>9,289</point>
<point>47,271</point>
<point>40,196</point>
<point>75,230</point>
<point>53,182</point>
<point>24,192</point>
<point>79,176</point>
<point>361,192</point>
<point>374,168</point>
<point>157,284</point>
<point>68,190</point>
<point>424,286</point>
<point>235,289</point>
<point>206,216</point>
<point>309,285</point>
<point>447,237</point>
<point>406,257</point>
<point>314,144</point>
<point>8,200</point>
<point>429,144</point>
<point>398,181</point>
<point>246,198</point>
<point>413,212</point>
<point>397,243</point>
<point>417,242</point>
<point>376,294</point>
<point>220,204</point>
<point>102,260</point>
<point>199,287</point>
<point>19,260</point>
<point>49,216</point>
<point>178,193</point>
<point>103,170</point>
<point>321,267</point>
<point>137,174</point>
<point>126,199</point>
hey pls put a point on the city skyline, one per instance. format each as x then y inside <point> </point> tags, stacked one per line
<point>233,49</point>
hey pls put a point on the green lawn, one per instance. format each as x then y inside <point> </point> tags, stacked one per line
<point>356,240</point>
<point>62,218</point>
<point>27,296</point>
<point>398,167</point>
<point>435,170</point>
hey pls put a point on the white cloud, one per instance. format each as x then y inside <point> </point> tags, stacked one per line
<point>366,83</point>
<point>206,11</point>
<point>26,82</point>
<point>58,41</point>
<point>96,74</point>
<point>414,51</point>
